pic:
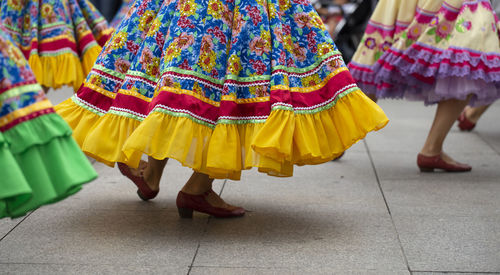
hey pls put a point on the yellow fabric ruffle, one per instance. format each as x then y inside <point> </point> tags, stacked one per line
<point>220,153</point>
<point>63,69</point>
<point>104,141</point>
<point>274,147</point>
<point>319,137</point>
<point>284,140</point>
<point>79,119</point>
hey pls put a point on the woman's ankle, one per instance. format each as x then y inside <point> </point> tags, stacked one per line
<point>151,178</point>
<point>429,152</point>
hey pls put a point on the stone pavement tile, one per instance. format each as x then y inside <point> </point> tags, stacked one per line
<point>439,197</point>
<point>403,166</point>
<point>398,110</point>
<point>491,136</point>
<point>447,225</point>
<point>407,141</point>
<point>288,271</point>
<point>345,184</point>
<point>7,225</point>
<point>446,243</point>
<point>55,269</point>
<point>330,216</point>
<point>488,127</point>
<point>54,235</point>
<point>290,238</point>
<point>452,273</point>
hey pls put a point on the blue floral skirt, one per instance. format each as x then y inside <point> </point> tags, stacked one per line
<point>221,86</point>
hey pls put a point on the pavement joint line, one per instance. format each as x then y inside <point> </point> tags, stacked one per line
<point>290,268</point>
<point>453,272</point>
<point>204,233</point>
<point>12,229</point>
<point>386,204</point>
<point>488,143</point>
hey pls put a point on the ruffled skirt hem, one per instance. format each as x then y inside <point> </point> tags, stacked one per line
<point>64,69</point>
<point>43,168</point>
<point>287,137</point>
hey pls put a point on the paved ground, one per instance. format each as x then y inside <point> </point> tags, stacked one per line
<point>372,212</point>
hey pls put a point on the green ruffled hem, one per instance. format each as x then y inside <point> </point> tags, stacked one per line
<point>37,131</point>
<point>44,166</point>
<point>13,183</point>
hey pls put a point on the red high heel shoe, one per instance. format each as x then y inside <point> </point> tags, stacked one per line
<point>143,189</point>
<point>428,164</point>
<point>187,203</point>
<point>464,123</point>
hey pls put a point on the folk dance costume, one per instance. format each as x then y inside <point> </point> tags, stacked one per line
<point>40,161</point>
<point>431,51</point>
<point>221,86</point>
<point>60,38</point>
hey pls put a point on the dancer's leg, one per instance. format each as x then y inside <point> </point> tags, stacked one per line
<point>446,114</point>
<point>154,171</point>
<point>474,113</point>
<point>199,184</point>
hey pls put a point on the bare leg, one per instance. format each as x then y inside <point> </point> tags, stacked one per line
<point>153,170</point>
<point>45,89</point>
<point>446,114</point>
<point>474,113</point>
<point>200,183</point>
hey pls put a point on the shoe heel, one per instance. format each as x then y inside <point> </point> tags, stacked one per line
<point>142,196</point>
<point>186,213</point>
<point>426,169</point>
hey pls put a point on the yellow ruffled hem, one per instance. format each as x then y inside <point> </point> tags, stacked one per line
<point>104,141</point>
<point>284,140</point>
<point>63,69</point>
<point>220,153</point>
<point>274,147</point>
<point>79,119</point>
<point>320,137</point>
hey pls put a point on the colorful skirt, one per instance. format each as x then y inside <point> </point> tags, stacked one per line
<point>450,50</point>
<point>122,13</point>
<point>60,38</point>
<point>39,160</point>
<point>221,87</point>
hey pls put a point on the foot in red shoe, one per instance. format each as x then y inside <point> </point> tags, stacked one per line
<point>464,123</point>
<point>429,163</point>
<point>187,203</point>
<point>143,190</point>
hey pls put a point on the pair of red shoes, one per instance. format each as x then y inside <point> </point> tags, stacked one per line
<point>186,203</point>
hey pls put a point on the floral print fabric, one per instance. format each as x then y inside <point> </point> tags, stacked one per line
<point>239,49</point>
<point>217,48</point>
<point>447,42</point>
<point>18,86</point>
<point>215,70</point>
<point>52,27</point>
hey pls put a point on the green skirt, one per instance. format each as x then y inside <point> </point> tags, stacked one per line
<point>40,164</point>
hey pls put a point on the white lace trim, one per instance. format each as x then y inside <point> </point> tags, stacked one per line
<point>128,111</point>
